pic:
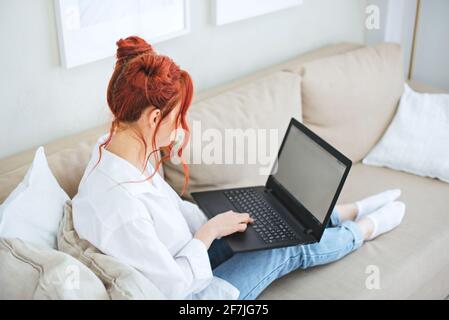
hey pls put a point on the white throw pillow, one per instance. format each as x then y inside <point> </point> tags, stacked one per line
<point>417,140</point>
<point>32,212</point>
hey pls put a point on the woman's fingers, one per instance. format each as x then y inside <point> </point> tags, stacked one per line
<point>245,218</point>
<point>241,227</point>
<point>241,220</point>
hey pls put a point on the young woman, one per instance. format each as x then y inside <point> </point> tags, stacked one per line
<point>124,208</point>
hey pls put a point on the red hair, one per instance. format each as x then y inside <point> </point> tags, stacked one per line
<point>141,79</point>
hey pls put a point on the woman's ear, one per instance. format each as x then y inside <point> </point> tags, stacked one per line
<point>153,116</point>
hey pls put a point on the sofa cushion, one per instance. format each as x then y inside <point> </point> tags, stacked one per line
<point>262,109</point>
<point>121,281</point>
<point>350,99</point>
<point>406,259</point>
<point>33,272</point>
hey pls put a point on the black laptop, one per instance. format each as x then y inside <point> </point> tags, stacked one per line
<point>297,200</point>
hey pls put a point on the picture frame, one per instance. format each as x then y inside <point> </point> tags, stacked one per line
<point>229,11</point>
<point>89,29</point>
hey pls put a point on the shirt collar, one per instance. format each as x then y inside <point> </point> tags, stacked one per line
<point>121,170</point>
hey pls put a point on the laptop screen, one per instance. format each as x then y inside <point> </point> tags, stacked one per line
<point>308,172</point>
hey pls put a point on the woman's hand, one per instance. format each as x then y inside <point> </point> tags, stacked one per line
<point>222,225</point>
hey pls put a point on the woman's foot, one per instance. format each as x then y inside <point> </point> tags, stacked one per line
<point>372,203</point>
<point>382,220</point>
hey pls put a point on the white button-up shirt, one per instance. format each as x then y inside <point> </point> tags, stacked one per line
<point>147,226</point>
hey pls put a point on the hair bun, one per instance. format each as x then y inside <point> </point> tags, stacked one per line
<point>132,47</point>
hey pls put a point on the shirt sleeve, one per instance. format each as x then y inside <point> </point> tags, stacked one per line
<point>177,276</point>
<point>194,216</point>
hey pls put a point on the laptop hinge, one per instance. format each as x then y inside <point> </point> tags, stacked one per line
<point>306,230</point>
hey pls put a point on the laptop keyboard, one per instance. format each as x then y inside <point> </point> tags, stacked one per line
<point>270,226</point>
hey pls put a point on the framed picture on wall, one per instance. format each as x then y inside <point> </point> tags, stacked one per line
<point>228,11</point>
<point>89,29</point>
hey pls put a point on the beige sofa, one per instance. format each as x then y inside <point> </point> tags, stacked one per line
<point>411,262</point>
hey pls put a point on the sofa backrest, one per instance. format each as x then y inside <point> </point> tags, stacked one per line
<point>350,99</point>
<point>68,156</point>
<point>347,97</point>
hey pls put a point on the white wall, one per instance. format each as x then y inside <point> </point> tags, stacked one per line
<point>397,20</point>
<point>40,101</point>
<point>432,45</point>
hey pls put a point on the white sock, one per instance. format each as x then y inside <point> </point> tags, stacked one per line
<point>375,202</point>
<point>386,218</point>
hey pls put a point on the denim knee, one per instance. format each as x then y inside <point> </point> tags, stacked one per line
<point>335,243</point>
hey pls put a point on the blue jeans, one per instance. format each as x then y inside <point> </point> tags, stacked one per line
<point>252,272</point>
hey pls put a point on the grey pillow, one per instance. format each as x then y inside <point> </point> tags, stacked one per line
<point>31,272</point>
<point>121,281</point>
